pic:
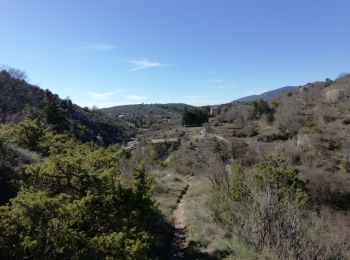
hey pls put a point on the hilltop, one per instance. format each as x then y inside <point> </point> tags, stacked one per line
<point>147,115</point>
<point>18,96</point>
<point>309,125</point>
<point>266,95</point>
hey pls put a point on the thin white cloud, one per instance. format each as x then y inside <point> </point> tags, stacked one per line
<point>94,46</point>
<point>233,86</point>
<point>103,104</point>
<point>104,95</point>
<point>146,64</point>
<point>193,97</point>
<point>136,98</point>
<point>100,46</point>
<point>216,81</point>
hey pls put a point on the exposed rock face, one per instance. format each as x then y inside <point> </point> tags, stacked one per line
<point>332,96</point>
<point>303,140</point>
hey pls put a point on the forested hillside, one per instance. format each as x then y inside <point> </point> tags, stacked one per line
<point>65,194</point>
<point>62,199</point>
<point>19,99</point>
<point>148,115</point>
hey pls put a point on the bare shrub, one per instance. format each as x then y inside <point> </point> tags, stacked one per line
<point>288,127</point>
<point>322,191</point>
<point>270,211</point>
<point>327,118</point>
<point>216,172</point>
<point>291,152</point>
<point>334,144</point>
<point>253,130</point>
<point>245,155</point>
<point>238,148</point>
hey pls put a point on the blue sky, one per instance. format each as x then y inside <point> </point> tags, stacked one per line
<point>194,51</point>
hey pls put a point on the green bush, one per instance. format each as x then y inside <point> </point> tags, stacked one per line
<point>261,107</point>
<point>2,145</point>
<point>29,133</point>
<point>195,117</point>
<point>74,204</point>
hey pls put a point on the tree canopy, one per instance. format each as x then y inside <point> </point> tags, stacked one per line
<point>195,117</point>
<point>75,203</point>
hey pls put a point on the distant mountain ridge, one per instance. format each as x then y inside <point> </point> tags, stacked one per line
<point>266,95</point>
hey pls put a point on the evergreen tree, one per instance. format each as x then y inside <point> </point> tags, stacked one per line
<point>54,113</point>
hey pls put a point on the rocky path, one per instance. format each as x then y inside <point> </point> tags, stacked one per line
<point>179,242</point>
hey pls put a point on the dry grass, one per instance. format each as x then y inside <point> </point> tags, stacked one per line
<point>202,231</point>
<point>167,189</point>
<point>322,160</point>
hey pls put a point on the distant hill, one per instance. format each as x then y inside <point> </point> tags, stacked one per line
<point>310,125</point>
<point>145,115</point>
<point>85,124</point>
<point>266,95</point>
<point>147,109</point>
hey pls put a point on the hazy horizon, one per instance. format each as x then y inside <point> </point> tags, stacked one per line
<point>195,52</point>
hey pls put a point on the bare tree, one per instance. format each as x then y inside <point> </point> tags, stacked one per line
<point>15,73</point>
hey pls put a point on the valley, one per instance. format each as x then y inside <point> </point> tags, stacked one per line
<point>174,130</point>
<point>197,180</point>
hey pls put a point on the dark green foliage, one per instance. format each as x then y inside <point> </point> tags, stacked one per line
<point>29,134</point>
<point>275,104</point>
<point>275,175</point>
<point>195,117</point>
<point>12,160</point>
<point>147,109</point>
<point>147,115</point>
<point>139,121</point>
<point>261,107</point>
<point>8,188</point>
<point>230,189</point>
<point>55,114</point>
<point>20,100</point>
<point>2,145</point>
<point>74,204</point>
<point>33,113</point>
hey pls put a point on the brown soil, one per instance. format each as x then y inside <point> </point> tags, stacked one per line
<point>179,242</point>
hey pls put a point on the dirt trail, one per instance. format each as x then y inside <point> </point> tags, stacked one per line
<point>179,242</point>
